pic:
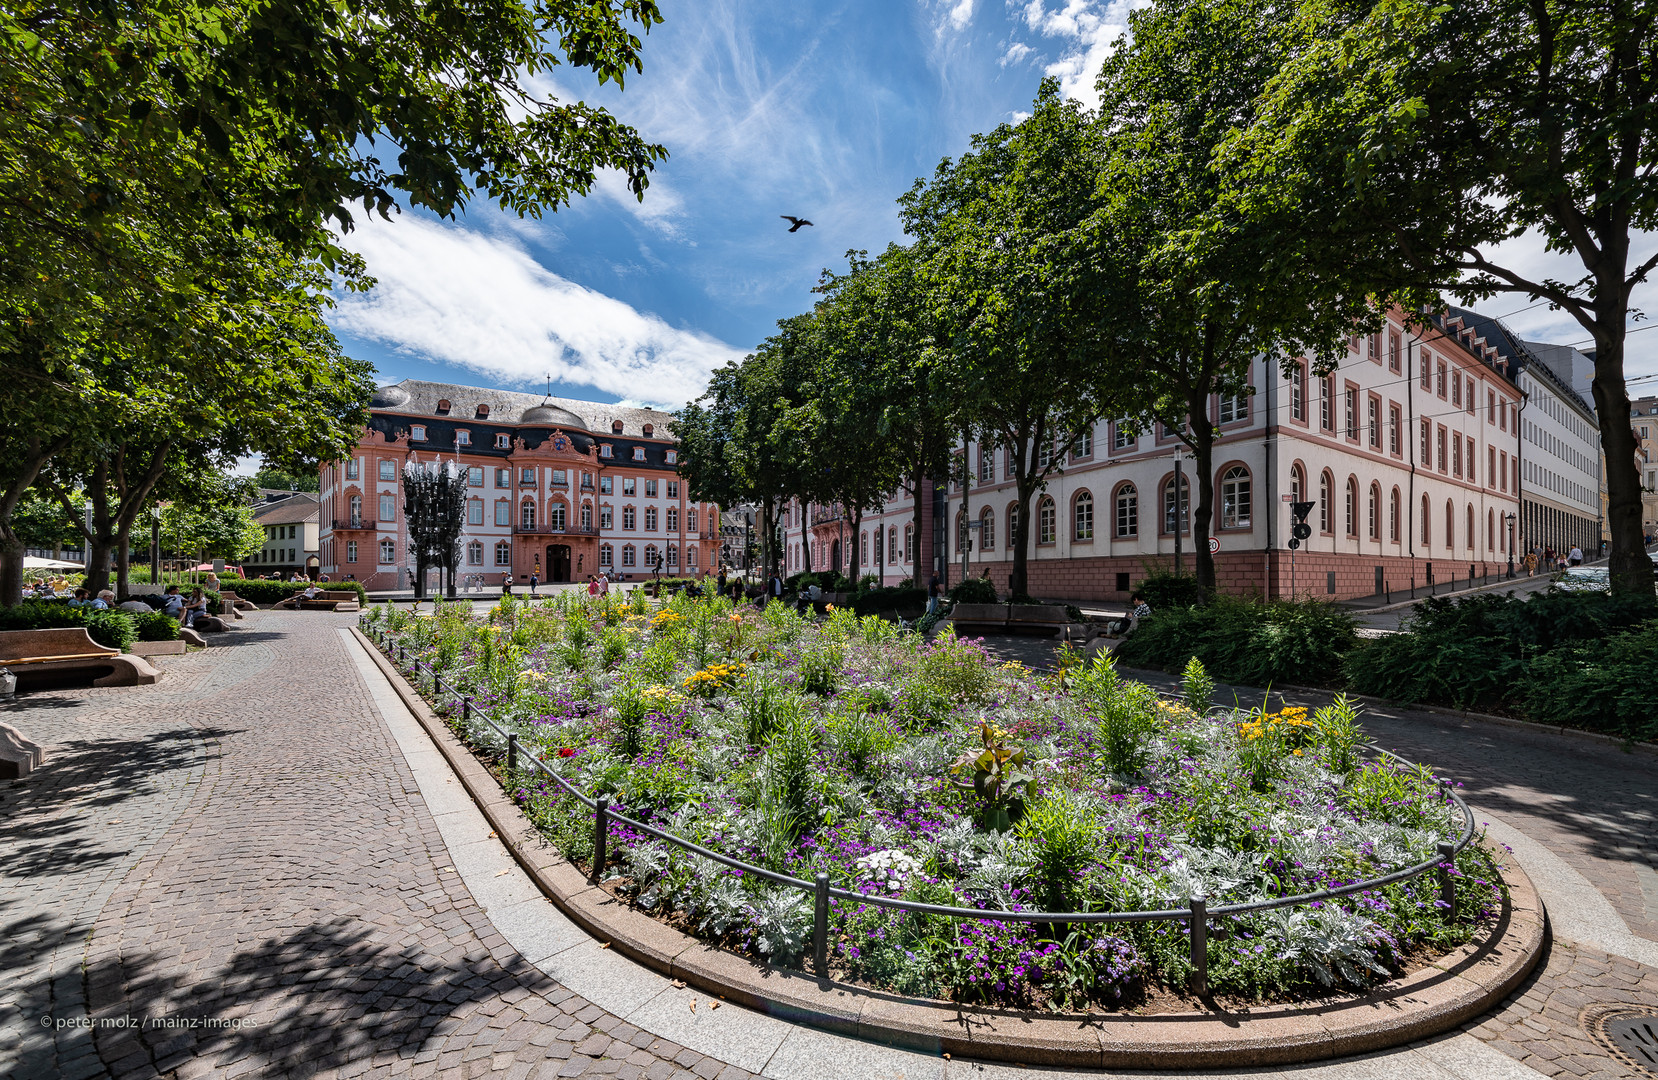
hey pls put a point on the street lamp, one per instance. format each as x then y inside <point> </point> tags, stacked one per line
<point>1511,544</point>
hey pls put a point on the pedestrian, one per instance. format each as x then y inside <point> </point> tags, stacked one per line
<point>592,585</point>
<point>776,587</point>
<point>1576,556</point>
<point>722,579</point>
<point>604,583</point>
<point>535,579</point>
<point>935,589</point>
<point>506,584</point>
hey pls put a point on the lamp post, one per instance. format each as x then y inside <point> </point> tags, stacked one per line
<point>1511,544</point>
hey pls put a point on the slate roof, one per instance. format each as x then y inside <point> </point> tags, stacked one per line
<point>300,508</point>
<point>418,397</point>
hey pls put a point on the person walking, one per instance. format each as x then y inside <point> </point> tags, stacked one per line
<point>506,583</point>
<point>1576,556</point>
<point>722,579</point>
<point>535,579</point>
<point>934,590</point>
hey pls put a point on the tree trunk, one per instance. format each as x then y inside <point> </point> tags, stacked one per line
<point>805,537</point>
<point>857,547</point>
<point>1024,486</point>
<point>1203,457</point>
<point>914,549</point>
<point>1628,565</point>
<point>97,563</point>
<point>123,558</point>
<point>11,547</point>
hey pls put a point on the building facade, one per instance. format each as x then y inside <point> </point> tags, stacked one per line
<point>1643,417</point>
<point>557,488</point>
<point>292,535</point>
<point>1410,452</point>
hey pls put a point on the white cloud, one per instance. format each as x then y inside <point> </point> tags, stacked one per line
<point>960,14</point>
<point>455,296</point>
<point>1015,53</point>
<point>1090,30</point>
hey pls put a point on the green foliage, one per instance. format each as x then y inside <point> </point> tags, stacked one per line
<point>256,591</point>
<point>156,626</point>
<point>1246,641</point>
<point>906,602</point>
<point>1165,591</point>
<point>283,480</point>
<point>111,628</point>
<point>1606,685</point>
<point>974,590</point>
<point>1198,687</point>
<point>1064,834</point>
<point>820,668</point>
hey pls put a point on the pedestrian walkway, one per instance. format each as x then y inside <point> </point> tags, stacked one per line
<point>265,844</point>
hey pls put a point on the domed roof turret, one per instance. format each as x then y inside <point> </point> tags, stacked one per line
<point>389,397</point>
<point>551,415</point>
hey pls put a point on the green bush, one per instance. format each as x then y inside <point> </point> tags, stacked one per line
<point>156,626</point>
<point>975,590</point>
<point>905,601</point>
<point>1246,641</point>
<point>1166,591</point>
<point>111,628</point>
<point>1604,685</point>
<point>255,591</point>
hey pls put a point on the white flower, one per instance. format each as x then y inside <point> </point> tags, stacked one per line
<point>890,868</point>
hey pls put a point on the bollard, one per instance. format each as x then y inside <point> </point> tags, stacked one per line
<point>601,831</point>
<point>512,755</point>
<point>820,927</point>
<point>1199,933</point>
<point>1447,888</point>
<point>466,711</point>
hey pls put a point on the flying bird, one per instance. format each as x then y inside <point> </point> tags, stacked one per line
<point>798,222</point>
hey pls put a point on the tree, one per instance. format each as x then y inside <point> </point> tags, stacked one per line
<point>40,522</point>
<point>1409,138</point>
<point>434,505</point>
<point>270,476</point>
<point>1200,291</point>
<point>1000,248</point>
<point>209,516</point>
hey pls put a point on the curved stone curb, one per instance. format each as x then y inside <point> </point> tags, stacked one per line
<point>1455,988</point>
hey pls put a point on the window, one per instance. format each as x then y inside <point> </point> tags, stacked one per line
<point>475,477</point>
<point>1181,505</point>
<point>443,407</point>
<point>388,470</point>
<point>1471,396</point>
<point>503,512</point>
<point>1440,384</point>
<point>417,432</point>
<point>1491,406</point>
<point>1456,455</point>
<point>1373,348</point>
<point>555,516</point>
<point>691,558</point>
<point>673,457</point>
<point>987,464</point>
<point>628,555</point>
<point>1393,517</point>
<point>351,551</point>
<point>474,511</point>
<point>1471,457</point>
<point>1298,483</point>
<point>1084,445</point>
<point>987,530</point>
<point>605,485</point>
<point>1350,412</point>
<point>1441,447</point>
<point>1235,498</point>
<point>587,517</point>
<point>606,555</point>
<point>629,518</point>
<point>503,478</point>
<point>690,521</point>
<point>1502,415</point>
<point>526,514</point>
<point>1427,527</point>
<point>1503,471</point>
<point>1122,438</point>
<point>1325,525</point>
<point>1393,352</point>
<point>638,453</point>
<point>863,549</point>
<point>1012,524</point>
<point>1374,419</point>
<point>1082,516</point>
<point>503,441</point>
<point>388,552</point>
<point>1045,454</point>
<point>560,478</point>
<point>652,557</point>
<point>879,546</point>
<point>1047,530</point>
<point>1352,506</point>
<point>388,508</point>
<point>673,519</point>
<point>909,543</point>
<point>463,438</point>
<point>1450,526</point>
<point>1491,466</point>
<point>1326,407</point>
<point>526,476</point>
<point>474,554</point>
<point>1427,444</point>
<point>1456,390</point>
<point>673,555</point>
<point>1128,511</point>
<point>1468,533</point>
<point>650,489</point>
<point>1427,370</point>
<point>673,489</point>
<point>606,451</point>
<point>1375,511</point>
<point>503,553</point>
<point>650,519</point>
<point>353,468</point>
<point>630,486</point>
<point>1298,392</point>
<point>892,546</point>
<point>1233,408</point>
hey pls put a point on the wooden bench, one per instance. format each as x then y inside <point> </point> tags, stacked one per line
<point>40,656</point>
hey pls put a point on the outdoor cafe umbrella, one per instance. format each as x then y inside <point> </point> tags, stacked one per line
<point>31,562</point>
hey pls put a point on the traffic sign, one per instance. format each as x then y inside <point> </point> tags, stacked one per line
<point>1214,544</point>
<point>1301,530</point>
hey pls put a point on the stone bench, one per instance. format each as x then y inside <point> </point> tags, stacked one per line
<point>325,600</point>
<point>19,755</point>
<point>37,656</point>
<point>1039,620</point>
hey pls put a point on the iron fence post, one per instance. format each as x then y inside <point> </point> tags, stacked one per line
<point>820,926</point>
<point>1447,888</point>
<point>601,830</point>
<point>1199,933</point>
<point>512,754</point>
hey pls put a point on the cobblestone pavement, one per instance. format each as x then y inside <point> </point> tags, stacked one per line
<point>243,842</point>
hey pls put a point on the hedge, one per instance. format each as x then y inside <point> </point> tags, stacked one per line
<point>257,591</point>
<point>901,600</point>
<point>155,626</point>
<point>1246,641</point>
<point>109,627</point>
<point>1607,684</point>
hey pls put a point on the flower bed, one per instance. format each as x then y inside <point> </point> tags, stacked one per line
<point>932,773</point>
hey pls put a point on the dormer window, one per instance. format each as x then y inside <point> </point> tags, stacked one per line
<point>483,412</point>
<point>503,441</point>
<point>605,451</point>
<point>638,453</point>
<point>673,457</point>
<point>417,432</point>
<point>616,428</point>
<point>648,430</point>
<point>463,438</point>
<point>443,407</point>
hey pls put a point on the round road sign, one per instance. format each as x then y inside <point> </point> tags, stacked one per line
<point>1214,544</point>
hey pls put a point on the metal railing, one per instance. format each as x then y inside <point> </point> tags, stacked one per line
<point>351,523</point>
<point>1195,915</point>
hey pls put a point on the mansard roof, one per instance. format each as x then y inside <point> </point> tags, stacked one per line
<point>418,397</point>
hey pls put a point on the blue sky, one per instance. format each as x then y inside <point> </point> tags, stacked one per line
<point>823,110</point>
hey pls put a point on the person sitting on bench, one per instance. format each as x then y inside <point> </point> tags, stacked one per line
<point>311,593</point>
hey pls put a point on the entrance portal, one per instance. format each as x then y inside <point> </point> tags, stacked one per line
<point>558,562</point>
<point>835,557</point>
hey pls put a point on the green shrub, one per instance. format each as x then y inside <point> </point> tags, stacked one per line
<point>975,590</point>
<point>1605,685</point>
<point>905,601</point>
<point>156,626</point>
<point>1246,641</point>
<point>111,628</point>
<point>1166,591</point>
<point>256,591</point>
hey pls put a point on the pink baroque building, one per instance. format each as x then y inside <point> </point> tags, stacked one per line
<point>1410,452</point>
<point>558,488</point>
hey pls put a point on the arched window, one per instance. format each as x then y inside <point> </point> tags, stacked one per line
<point>892,545</point>
<point>629,555</point>
<point>1375,511</point>
<point>987,529</point>
<point>503,554</point>
<point>1298,483</point>
<point>586,516</point>
<point>1450,526</point>
<point>1471,536</point>
<point>356,511</point>
<point>1491,530</point>
<point>526,513</point>
<point>1393,516</point>
<point>1352,506</point>
<point>555,516</point>
<point>1235,498</point>
<point>474,554</point>
<point>388,552</point>
<point>1128,511</point>
<point>1047,530</point>
<point>1082,516</point>
<point>1170,503</point>
<point>1325,482</point>
<point>1427,528</point>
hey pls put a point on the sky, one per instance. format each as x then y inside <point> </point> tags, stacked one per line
<point>827,111</point>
